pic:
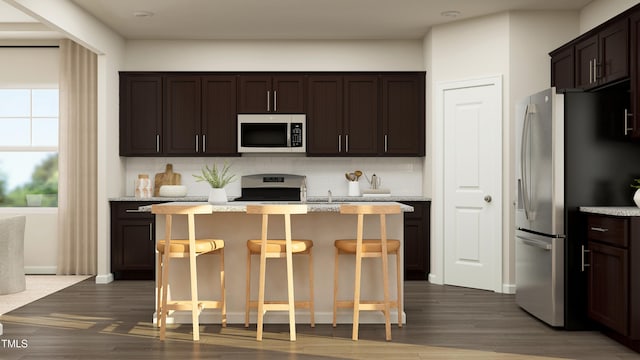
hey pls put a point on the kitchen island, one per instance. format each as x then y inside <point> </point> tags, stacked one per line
<point>323,224</point>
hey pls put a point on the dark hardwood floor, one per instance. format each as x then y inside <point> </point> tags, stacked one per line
<point>89,321</point>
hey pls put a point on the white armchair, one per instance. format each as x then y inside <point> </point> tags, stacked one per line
<point>12,279</point>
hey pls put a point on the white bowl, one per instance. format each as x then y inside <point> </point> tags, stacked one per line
<point>172,191</point>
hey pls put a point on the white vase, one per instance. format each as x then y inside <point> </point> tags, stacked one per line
<point>217,196</point>
<point>636,197</point>
<point>354,188</point>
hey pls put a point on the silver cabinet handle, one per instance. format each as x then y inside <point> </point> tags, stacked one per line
<point>339,143</point>
<point>346,143</point>
<point>275,100</point>
<point>583,265</point>
<point>151,231</point>
<point>196,143</point>
<point>627,128</point>
<point>204,143</point>
<point>599,229</point>
<point>135,211</point>
<point>158,143</point>
<point>590,72</point>
<point>268,100</point>
<point>386,147</point>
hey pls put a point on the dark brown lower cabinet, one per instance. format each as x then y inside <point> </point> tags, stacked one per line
<point>613,276</point>
<point>132,241</point>
<point>417,233</point>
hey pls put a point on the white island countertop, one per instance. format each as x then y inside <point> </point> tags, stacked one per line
<point>612,210</point>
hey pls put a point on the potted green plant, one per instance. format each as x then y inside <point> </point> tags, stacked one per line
<point>217,179</point>
<point>636,196</point>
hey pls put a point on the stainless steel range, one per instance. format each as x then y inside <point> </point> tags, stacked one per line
<point>271,187</point>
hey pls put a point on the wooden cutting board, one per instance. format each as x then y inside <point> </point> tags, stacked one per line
<point>168,177</point>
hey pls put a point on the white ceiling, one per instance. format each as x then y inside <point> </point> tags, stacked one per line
<point>277,19</point>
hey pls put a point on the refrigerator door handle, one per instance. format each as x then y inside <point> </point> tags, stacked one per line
<point>523,162</point>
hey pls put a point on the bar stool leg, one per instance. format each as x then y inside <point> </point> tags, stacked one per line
<point>223,291</point>
<point>194,278</point>
<point>263,267</point>
<point>158,288</point>
<point>165,278</point>
<point>311,298</point>
<point>248,289</point>
<point>356,295</point>
<point>292,308</point>
<point>399,288</point>
<point>335,285</point>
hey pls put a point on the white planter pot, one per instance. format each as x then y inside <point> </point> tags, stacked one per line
<point>636,197</point>
<point>218,196</point>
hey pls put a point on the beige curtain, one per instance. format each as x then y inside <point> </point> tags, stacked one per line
<point>77,209</point>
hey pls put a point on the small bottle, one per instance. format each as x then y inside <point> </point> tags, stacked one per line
<point>303,191</point>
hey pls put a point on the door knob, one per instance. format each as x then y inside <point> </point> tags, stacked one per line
<point>487,198</point>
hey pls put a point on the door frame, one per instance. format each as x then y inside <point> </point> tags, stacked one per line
<point>436,274</point>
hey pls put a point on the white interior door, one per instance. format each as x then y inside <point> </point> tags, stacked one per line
<point>472,201</point>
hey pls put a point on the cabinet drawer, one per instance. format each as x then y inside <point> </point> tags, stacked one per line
<point>129,210</point>
<point>608,229</point>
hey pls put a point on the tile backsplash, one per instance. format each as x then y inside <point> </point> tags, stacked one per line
<point>403,176</point>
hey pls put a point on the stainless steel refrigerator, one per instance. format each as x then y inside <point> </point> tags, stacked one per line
<point>567,156</point>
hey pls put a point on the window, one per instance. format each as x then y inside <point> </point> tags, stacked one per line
<point>28,147</point>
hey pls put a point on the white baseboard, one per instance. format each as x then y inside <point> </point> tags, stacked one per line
<point>434,279</point>
<point>104,278</point>
<point>40,270</point>
<point>508,288</point>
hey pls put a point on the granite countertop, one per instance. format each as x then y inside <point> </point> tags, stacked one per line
<point>241,206</point>
<point>612,210</point>
<point>310,199</point>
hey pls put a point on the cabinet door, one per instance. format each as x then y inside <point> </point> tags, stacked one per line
<point>614,52</point>
<point>632,126</point>
<point>182,115</point>
<point>403,115</point>
<point>417,241</point>
<point>608,301</point>
<point>586,53</point>
<point>288,94</point>
<point>219,130</point>
<point>562,68</point>
<point>132,242</point>
<point>324,115</point>
<point>140,115</point>
<point>254,94</point>
<point>360,115</point>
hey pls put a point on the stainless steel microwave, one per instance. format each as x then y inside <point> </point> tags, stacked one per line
<point>271,133</point>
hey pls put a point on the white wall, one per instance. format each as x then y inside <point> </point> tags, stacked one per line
<point>599,11</point>
<point>533,34</point>
<point>65,17</point>
<point>33,68</point>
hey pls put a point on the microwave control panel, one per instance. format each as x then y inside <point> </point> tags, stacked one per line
<point>296,134</point>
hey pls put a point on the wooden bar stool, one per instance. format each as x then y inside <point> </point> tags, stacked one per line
<point>278,249</point>
<point>367,248</point>
<point>186,248</point>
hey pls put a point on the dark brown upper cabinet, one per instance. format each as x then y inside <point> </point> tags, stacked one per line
<point>360,127</point>
<point>632,121</point>
<point>562,68</point>
<point>218,126</point>
<point>366,115</point>
<point>603,57</point>
<point>140,115</point>
<point>182,109</point>
<point>259,94</point>
<point>403,117</point>
<point>324,115</point>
